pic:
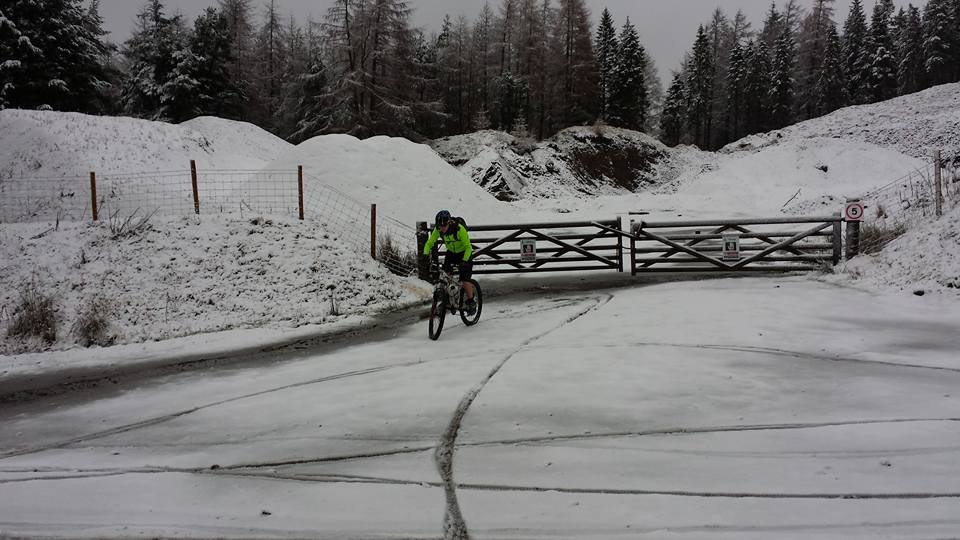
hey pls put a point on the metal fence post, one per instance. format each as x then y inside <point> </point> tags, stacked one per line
<point>300,188</point>
<point>938,181</point>
<point>853,236</point>
<point>423,261</point>
<point>196,192</point>
<point>93,195</point>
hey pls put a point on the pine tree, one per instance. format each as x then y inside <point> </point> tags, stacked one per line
<point>757,88</point>
<point>910,68</point>
<point>699,92</point>
<point>736,93</point>
<point>270,54</point>
<point>240,29</point>
<point>153,54</point>
<point>606,50</point>
<point>578,77</point>
<point>315,108</point>
<point>773,26</point>
<point>938,41</point>
<point>856,61</point>
<point>655,95</point>
<point>883,64</point>
<point>483,51</point>
<point>671,121</point>
<point>52,62</point>
<point>813,45</point>
<point>782,91</point>
<point>212,45</point>
<point>831,86</point>
<point>628,90</point>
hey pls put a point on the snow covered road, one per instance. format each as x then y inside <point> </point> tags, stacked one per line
<point>736,408</point>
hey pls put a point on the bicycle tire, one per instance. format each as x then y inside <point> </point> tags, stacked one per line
<point>478,296</point>
<point>438,312</point>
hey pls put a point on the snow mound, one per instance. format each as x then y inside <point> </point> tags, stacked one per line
<point>408,181</point>
<point>577,162</point>
<point>49,144</point>
<point>231,137</point>
<point>798,176</point>
<point>185,276</point>
<point>914,124</point>
<point>926,258</point>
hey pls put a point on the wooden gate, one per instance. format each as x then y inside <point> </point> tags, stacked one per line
<point>736,245</point>
<point>779,244</point>
<point>543,247</point>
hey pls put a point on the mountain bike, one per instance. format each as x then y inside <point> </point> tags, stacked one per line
<point>448,295</point>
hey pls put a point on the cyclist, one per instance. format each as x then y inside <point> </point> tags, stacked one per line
<point>457,241</point>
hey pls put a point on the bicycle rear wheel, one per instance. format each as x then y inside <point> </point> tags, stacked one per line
<point>471,320</point>
<point>438,312</point>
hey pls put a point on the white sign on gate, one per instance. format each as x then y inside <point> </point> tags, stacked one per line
<point>731,247</point>
<point>528,251</point>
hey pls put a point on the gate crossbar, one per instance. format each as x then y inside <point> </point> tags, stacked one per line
<point>777,247</point>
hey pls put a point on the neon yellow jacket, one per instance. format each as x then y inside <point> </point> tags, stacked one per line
<point>457,241</point>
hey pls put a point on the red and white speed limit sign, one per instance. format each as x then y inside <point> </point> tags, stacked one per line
<point>854,211</point>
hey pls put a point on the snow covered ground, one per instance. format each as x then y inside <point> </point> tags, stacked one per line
<point>184,276</point>
<point>739,408</point>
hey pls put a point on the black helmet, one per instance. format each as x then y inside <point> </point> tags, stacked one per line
<point>443,217</point>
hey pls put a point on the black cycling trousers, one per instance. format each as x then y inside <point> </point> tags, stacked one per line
<point>456,259</point>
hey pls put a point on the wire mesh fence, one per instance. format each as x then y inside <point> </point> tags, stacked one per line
<point>907,201</point>
<point>231,192</point>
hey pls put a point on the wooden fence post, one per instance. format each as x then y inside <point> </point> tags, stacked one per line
<point>423,261</point>
<point>196,192</point>
<point>300,188</point>
<point>938,181</point>
<point>620,244</point>
<point>837,239</point>
<point>633,249</point>
<point>373,231</point>
<point>93,195</point>
<point>853,236</point>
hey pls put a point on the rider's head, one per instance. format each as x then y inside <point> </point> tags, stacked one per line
<point>443,220</point>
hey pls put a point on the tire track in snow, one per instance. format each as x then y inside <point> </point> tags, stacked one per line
<point>359,479</point>
<point>167,417</point>
<point>703,429</point>
<point>764,350</point>
<point>454,526</point>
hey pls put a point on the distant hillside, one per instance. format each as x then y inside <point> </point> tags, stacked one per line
<point>576,162</point>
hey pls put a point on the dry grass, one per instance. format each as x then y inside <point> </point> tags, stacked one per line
<point>875,236</point>
<point>35,315</point>
<point>92,326</point>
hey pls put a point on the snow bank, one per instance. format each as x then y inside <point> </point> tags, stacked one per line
<point>926,258</point>
<point>185,276</point>
<point>47,144</point>
<point>799,176</point>
<point>914,124</point>
<point>408,181</point>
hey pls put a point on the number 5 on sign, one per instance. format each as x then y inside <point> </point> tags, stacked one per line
<point>854,211</point>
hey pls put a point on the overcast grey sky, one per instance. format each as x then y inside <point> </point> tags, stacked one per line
<point>667,27</point>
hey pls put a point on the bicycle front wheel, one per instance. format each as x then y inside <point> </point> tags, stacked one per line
<point>471,320</point>
<point>438,312</point>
